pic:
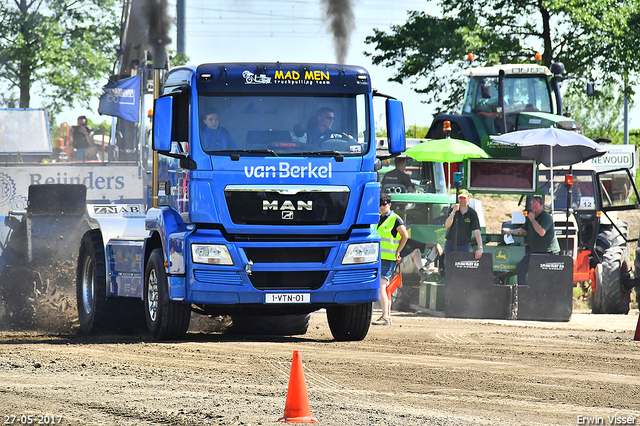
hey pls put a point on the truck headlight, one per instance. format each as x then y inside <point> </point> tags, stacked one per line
<point>361,253</point>
<point>213,254</point>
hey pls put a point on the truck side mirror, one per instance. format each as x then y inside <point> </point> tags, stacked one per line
<point>486,91</point>
<point>591,90</point>
<point>395,126</point>
<point>162,124</point>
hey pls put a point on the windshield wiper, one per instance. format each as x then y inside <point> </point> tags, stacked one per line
<point>336,154</point>
<point>236,157</point>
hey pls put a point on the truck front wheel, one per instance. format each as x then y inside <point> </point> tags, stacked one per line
<point>166,320</point>
<point>349,322</point>
<point>94,309</point>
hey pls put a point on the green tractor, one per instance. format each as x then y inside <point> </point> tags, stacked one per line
<point>506,98</point>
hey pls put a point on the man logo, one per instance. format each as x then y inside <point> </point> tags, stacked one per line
<point>287,205</point>
<point>287,215</point>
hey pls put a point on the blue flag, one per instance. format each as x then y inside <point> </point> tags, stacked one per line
<point>122,99</point>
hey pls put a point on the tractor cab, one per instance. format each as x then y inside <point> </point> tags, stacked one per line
<point>506,98</point>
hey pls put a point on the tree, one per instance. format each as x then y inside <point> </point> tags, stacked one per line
<point>600,115</point>
<point>60,48</point>
<point>431,51</point>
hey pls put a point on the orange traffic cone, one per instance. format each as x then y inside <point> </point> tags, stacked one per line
<point>296,409</point>
<point>637,336</point>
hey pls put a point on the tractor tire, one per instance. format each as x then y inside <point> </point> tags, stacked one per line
<point>609,297</point>
<point>284,325</point>
<point>350,323</point>
<point>610,237</point>
<point>166,320</point>
<point>95,310</point>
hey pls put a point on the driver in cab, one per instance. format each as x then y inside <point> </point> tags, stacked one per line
<point>322,129</point>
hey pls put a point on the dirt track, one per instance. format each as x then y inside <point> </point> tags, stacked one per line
<point>423,370</point>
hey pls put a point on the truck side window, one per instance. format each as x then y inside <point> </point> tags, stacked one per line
<point>181,110</point>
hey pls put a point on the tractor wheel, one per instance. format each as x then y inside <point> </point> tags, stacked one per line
<point>609,297</point>
<point>284,325</point>
<point>609,237</point>
<point>95,311</point>
<point>350,322</point>
<point>166,320</point>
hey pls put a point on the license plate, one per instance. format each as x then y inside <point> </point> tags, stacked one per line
<point>287,298</point>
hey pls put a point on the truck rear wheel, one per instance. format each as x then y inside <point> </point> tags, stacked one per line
<point>350,322</point>
<point>166,320</point>
<point>94,309</point>
<point>286,325</point>
<point>609,298</point>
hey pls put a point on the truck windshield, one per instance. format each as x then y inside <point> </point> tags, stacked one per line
<point>520,94</point>
<point>284,125</point>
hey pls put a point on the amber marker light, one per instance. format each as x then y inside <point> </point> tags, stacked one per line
<point>470,57</point>
<point>446,126</point>
<point>538,57</point>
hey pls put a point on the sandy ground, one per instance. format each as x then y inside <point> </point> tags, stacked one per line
<point>422,370</point>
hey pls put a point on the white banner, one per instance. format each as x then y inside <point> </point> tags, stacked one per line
<point>105,182</point>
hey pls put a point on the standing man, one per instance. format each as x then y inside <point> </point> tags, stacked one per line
<point>393,237</point>
<point>542,236</point>
<point>398,175</point>
<point>466,220</point>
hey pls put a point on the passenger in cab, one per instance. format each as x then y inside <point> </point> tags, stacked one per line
<point>213,137</point>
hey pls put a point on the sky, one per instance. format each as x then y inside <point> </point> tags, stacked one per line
<point>296,31</point>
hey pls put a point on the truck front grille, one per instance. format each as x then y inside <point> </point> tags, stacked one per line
<point>288,280</point>
<point>287,254</point>
<point>287,205</point>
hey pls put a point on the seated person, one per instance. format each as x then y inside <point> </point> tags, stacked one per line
<point>398,176</point>
<point>213,137</point>
<point>320,131</point>
<point>412,260</point>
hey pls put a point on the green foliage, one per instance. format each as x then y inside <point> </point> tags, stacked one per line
<point>59,49</point>
<point>601,115</point>
<point>429,52</point>
<point>177,60</point>
<point>416,131</point>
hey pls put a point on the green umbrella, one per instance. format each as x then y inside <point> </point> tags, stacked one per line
<point>446,150</point>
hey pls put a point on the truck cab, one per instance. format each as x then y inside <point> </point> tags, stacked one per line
<point>266,198</point>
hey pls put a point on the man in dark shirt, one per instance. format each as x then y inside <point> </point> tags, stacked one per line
<point>398,176</point>
<point>467,223</point>
<point>542,236</point>
<point>322,129</point>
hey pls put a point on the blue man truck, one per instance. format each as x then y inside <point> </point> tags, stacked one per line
<point>266,216</point>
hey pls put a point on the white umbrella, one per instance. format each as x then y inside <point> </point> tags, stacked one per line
<point>552,147</point>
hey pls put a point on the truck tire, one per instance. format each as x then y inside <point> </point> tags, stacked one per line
<point>350,323</point>
<point>95,311</point>
<point>284,325</point>
<point>166,320</point>
<point>609,298</point>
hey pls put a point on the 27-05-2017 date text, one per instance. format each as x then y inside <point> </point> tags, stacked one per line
<point>32,419</point>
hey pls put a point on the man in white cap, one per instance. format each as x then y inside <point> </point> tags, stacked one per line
<point>467,225</point>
